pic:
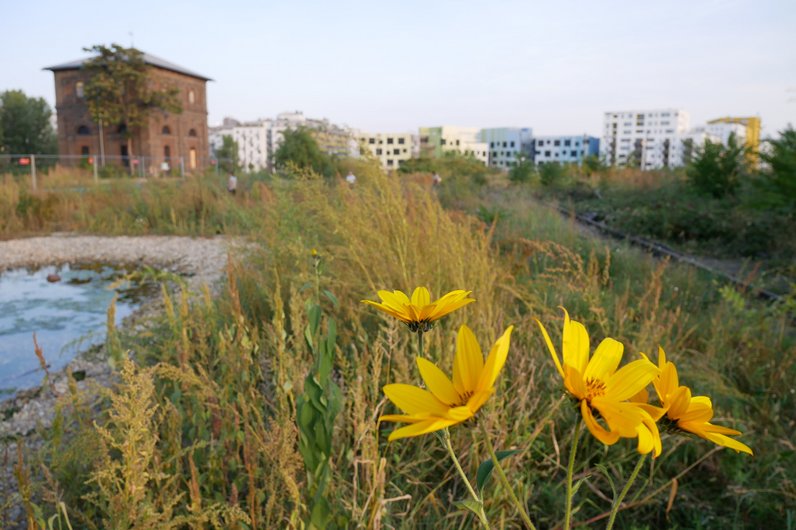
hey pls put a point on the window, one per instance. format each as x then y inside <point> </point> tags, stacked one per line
<point>442,141</point>
<point>401,141</point>
<point>389,161</point>
<point>566,143</point>
<point>83,130</point>
<point>396,151</point>
<point>389,140</point>
<point>378,150</point>
<point>166,130</point>
<point>371,141</point>
<point>192,158</point>
<point>491,144</point>
<point>192,133</point>
<point>83,150</point>
<point>167,152</point>
<point>547,153</point>
<point>191,96</point>
<point>557,143</point>
<point>512,144</point>
<point>122,129</point>
<point>573,153</point>
<point>79,92</point>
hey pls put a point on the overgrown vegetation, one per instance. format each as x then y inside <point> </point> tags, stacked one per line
<point>202,430</point>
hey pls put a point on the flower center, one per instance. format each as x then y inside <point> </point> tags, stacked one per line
<point>594,388</point>
<point>420,327</point>
<point>464,398</point>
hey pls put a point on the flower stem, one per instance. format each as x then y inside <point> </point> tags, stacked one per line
<point>481,514</point>
<point>505,481</point>
<point>623,493</point>
<point>570,471</point>
<point>420,344</point>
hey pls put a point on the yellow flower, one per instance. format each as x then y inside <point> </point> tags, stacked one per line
<point>444,402</point>
<point>691,414</point>
<point>599,386</point>
<point>420,312</point>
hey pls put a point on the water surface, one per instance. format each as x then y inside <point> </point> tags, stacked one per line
<point>67,316</point>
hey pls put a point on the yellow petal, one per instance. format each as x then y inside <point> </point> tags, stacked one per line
<point>414,400</point>
<point>575,344</point>
<point>421,297</point>
<point>437,382</point>
<point>459,414</point>
<point>402,418</point>
<point>397,297</point>
<point>623,418</point>
<point>495,360</point>
<point>605,360</point>
<point>439,310</point>
<point>697,412</point>
<point>573,381</point>
<point>478,399</point>
<point>468,363</point>
<point>551,348</point>
<point>652,437</point>
<point>726,441</point>
<point>679,400</point>
<point>419,428</point>
<point>597,430</point>
<point>630,379</point>
<point>400,315</point>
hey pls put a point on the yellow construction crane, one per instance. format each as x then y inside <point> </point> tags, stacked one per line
<point>752,125</point>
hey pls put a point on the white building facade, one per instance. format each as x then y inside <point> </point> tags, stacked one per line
<point>390,149</point>
<point>251,138</point>
<point>436,141</point>
<point>564,149</point>
<point>506,144</point>
<point>649,139</point>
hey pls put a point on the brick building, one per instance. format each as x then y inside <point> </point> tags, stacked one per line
<point>167,141</point>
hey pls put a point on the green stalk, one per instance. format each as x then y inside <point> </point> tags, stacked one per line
<point>505,481</point>
<point>570,472</point>
<point>481,514</point>
<point>618,501</point>
<point>420,344</point>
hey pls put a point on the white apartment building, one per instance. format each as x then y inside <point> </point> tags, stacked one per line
<point>506,143</point>
<point>390,149</point>
<point>436,141</point>
<point>252,140</point>
<point>648,138</point>
<point>259,141</point>
<point>717,133</point>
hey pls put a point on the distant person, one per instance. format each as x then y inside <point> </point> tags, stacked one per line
<point>351,179</point>
<point>436,180</point>
<point>232,184</point>
<point>164,168</point>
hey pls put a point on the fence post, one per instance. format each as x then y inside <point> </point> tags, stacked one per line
<point>96,171</point>
<point>182,167</point>
<point>33,172</point>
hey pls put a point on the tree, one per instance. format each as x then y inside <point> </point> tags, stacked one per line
<point>25,126</point>
<point>300,150</point>
<point>552,173</point>
<point>592,164</point>
<point>227,154</point>
<point>778,182</point>
<point>118,91</point>
<point>716,169</point>
<point>523,170</point>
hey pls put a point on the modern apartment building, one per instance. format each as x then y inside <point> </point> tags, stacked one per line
<point>259,141</point>
<point>717,133</point>
<point>506,143</point>
<point>391,149</point>
<point>751,127</point>
<point>436,141</point>
<point>564,149</point>
<point>646,138</point>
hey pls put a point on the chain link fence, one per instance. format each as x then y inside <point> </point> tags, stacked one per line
<point>53,171</point>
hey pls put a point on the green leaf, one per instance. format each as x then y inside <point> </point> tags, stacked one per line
<point>485,469</point>
<point>471,505</point>
<point>328,294</point>
<point>314,314</point>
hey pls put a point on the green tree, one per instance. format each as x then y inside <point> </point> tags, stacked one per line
<point>716,169</point>
<point>523,170</point>
<point>592,164</point>
<point>552,173</point>
<point>300,150</point>
<point>777,183</point>
<point>227,154</point>
<point>25,124</point>
<point>118,91</point>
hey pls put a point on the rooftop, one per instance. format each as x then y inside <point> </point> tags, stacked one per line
<point>149,59</point>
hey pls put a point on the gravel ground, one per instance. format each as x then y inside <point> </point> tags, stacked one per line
<point>200,261</point>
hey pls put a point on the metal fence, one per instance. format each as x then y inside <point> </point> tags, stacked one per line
<point>47,171</point>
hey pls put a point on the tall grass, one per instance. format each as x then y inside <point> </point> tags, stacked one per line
<point>202,431</point>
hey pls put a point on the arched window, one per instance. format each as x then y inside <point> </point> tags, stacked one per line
<point>83,130</point>
<point>192,132</point>
<point>79,89</point>
<point>167,152</point>
<point>191,96</point>
<point>166,130</point>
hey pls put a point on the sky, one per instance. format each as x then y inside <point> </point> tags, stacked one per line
<point>555,66</point>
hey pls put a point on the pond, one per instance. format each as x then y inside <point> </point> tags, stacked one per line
<point>68,316</point>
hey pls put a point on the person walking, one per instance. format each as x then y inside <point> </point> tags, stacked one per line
<point>232,184</point>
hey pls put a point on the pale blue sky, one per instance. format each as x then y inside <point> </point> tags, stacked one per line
<point>378,66</point>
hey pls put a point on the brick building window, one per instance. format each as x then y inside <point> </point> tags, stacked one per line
<point>167,152</point>
<point>191,97</point>
<point>84,150</point>
<point>83,130</point>
<point>166,130</point>
<point>192,133</point>
<point>79,90</point>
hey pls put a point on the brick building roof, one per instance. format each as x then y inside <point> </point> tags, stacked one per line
<point>148,59</point>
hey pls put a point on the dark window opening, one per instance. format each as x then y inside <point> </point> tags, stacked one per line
<point>166,130</point>
<point>83,130</point>
<point>192,132</point>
